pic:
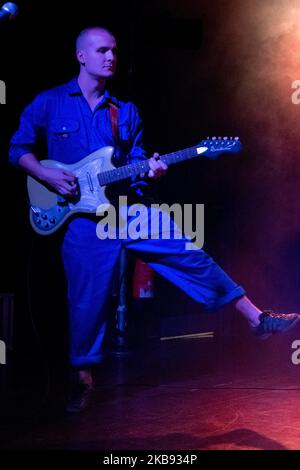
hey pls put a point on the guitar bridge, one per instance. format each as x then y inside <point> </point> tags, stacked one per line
<point>61,201</point>
<point>35,210</point>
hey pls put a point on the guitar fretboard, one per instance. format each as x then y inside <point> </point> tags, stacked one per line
<point>134,169</point>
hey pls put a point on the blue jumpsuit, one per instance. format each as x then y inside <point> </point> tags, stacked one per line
<point>62,118</point>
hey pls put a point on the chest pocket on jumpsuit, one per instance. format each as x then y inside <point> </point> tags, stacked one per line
<point>64,137</point>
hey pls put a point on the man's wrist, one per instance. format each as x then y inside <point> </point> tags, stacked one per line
<point>41,172</point>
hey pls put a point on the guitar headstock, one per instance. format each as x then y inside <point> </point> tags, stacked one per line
<point>218,145</point>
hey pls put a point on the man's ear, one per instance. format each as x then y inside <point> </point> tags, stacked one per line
<point>80,56</point>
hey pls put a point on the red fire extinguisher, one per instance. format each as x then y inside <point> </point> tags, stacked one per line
<point>143,280</point>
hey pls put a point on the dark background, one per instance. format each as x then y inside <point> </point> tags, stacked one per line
<point>194,69</point>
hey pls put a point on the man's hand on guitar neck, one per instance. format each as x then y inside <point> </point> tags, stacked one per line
<point>157,167</point>
<point>63,181</point>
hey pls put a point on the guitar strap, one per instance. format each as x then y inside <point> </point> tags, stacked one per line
<point>114,120</point>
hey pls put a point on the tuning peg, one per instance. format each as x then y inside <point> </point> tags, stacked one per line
<point>231,138</point>
<point>236,138</point>
<point>214,138</point>
<point>219,138</point>
<point>225,138</point>
<point>207,138</point>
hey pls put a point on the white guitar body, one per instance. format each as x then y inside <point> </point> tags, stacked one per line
<point>48,210</point>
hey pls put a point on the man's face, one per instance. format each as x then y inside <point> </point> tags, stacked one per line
<point>99,54</point>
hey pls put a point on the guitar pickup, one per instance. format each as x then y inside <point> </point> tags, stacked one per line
<point>90,182</point>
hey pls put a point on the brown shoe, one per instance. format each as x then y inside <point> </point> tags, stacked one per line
<point>80,397</point>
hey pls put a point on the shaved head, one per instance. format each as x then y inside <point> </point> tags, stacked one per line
<point>83,37</point>
<point>96,51</point>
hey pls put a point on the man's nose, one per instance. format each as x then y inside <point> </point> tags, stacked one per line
<point>110,55</point>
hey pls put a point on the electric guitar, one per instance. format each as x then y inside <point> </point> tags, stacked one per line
<point>94,173</point>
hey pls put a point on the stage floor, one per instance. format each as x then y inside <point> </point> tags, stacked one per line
<point>215,393</point>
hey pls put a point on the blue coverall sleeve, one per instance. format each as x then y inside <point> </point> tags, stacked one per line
<point>31,130</point>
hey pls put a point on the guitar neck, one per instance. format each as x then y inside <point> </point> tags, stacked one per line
<point>135,169</point>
